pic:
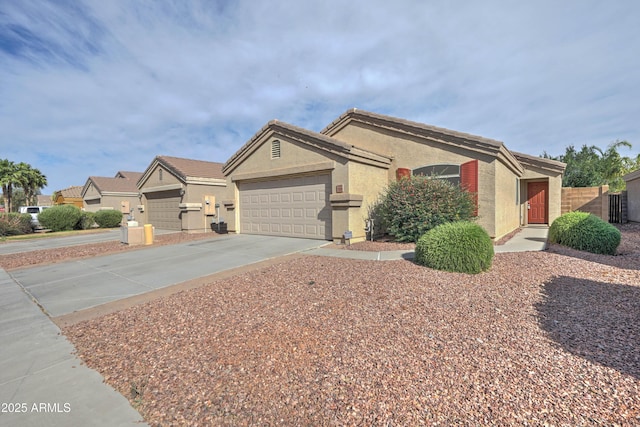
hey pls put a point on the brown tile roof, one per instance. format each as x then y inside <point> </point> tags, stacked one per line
<point>71,192</point>
<point>133,176</point>
<point>44,200</point>
<point>407,126</point>
<point>114,185</point>
<point>185,168</point>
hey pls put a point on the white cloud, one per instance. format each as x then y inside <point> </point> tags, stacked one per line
<point>106,86</point>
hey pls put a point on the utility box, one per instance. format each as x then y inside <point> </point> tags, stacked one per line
<point>132,235</point>
<point>209,205</point>
<point>124,206</point>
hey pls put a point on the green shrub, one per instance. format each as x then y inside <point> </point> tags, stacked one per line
<point>462,247</point>
<point>412,206</point>
<point>60,217</point>
<point>108,218</point>
<point>585,232</point>
<point>87,220</point>
<point>13,224</point>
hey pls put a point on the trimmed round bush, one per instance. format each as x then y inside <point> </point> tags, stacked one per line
<point>585,232</point>
<point>461,247</point>
<point>60,218</point>
<point>108,218</point>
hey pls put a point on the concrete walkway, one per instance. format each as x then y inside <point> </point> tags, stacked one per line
<point>530,238</point>
<point>42,383</point>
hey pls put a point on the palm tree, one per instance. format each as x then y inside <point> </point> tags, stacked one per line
<point>7,180</point>
<point>19,175</point>
<point>31,180</point>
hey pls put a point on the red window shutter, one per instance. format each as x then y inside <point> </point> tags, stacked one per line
<point>469,180</point>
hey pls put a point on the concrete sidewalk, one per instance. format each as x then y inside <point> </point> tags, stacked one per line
<point>41,381</point>
<point>530,238</point>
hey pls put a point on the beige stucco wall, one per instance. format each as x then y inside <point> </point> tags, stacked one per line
<point>197,216</point>
<point>412,153</point>
<point>507,202</point>
<point>194,215</point>
<point>633,200</point>
<point>295,159</point>
<point>92,194</point>
<point>369,182</point>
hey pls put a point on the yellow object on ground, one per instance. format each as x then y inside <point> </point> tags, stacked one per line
<point>148,234</point>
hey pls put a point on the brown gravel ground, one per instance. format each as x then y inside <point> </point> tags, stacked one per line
<point>543,338</point>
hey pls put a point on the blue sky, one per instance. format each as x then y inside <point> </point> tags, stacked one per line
<point>93,87</point>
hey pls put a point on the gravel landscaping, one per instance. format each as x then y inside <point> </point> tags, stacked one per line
<point>543,338</point>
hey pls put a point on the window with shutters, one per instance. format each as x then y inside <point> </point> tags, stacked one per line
<point>275,149</point>
<point>448,172</point>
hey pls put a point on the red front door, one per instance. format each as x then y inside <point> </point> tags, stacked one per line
<point>537,202</point>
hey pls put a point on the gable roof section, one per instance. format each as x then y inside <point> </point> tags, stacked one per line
<point>111,186</point>
<point>443,136</point>
<point>306,137</point>
<point>70,192</point>
<point>188,171</point>
<point>133,176</point>
<point>540,162</point>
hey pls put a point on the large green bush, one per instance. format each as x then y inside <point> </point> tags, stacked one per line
<point>412,206</point>
<point>585,232</point>
<point>12,224</point>
<point>108,218</point>
<point>462,247</point>
<point>60,217</point>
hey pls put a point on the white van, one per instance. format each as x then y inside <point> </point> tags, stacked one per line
<point>34,211</point>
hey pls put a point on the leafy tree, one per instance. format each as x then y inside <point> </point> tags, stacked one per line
<point>592,167</point>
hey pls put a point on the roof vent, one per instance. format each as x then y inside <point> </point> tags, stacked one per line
<point>275,149</point>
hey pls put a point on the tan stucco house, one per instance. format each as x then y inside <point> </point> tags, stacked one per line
<point>119,193</point>
<point>180,194</point>
<point>289,181</point>
<point>633,195</point>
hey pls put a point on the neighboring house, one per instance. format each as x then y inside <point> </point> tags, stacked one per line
<point>119,193</point>
<point>633,195</point>
<point>289,181</point>
<point>180,194</point>
<point>44,200</point>
<point>69,196</point>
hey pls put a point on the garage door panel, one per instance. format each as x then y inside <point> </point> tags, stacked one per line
<point>164,211</point>
<point>296,207</point>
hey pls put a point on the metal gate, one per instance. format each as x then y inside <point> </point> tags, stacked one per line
<point>618,208</point>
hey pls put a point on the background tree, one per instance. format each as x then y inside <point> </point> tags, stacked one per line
<point>592,167</point>
<point>8,178</point>
<point>21,175</point>
<point>31,180</point>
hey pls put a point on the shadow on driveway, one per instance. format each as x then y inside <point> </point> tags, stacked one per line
<point>594,320</point>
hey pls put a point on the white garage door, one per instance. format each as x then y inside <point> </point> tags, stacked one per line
<point>164,213</point>
<point>292,207</point>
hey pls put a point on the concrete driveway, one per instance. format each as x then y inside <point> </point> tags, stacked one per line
<point>41,381</point>
<point>76,285</point>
